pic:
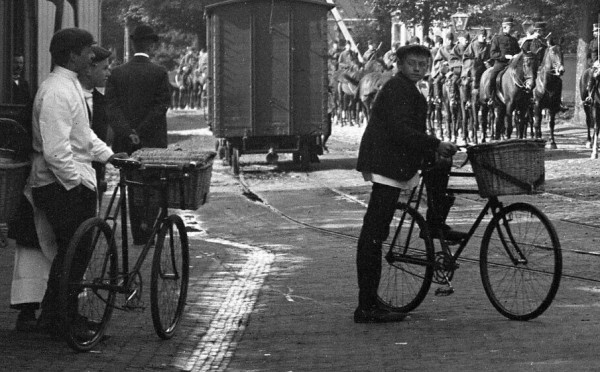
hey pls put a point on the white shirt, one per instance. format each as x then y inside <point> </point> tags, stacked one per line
<point>64,144</point>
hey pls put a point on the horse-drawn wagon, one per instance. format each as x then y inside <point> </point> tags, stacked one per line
<point>267,89</point>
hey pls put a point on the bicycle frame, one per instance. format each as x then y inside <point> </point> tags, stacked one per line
<point>112,214</point>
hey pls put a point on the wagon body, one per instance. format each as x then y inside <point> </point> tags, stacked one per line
<point>267,73</point>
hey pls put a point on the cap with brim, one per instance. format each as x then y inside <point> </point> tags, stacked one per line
<point>144,32</point>
<point>405,50</point>
<point>71,39</point>
<point>508,21</point>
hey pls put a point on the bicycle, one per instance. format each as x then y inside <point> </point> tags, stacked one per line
<point>520,260</point>
<point>92,278</point>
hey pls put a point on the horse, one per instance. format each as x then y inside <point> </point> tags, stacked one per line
<point>513,94</point>
<point>347,88</point>
<point>185,80</point>
<point>368,86</point>
<point>350,87</point>
<point>591,106</point>
<point>470,102</point>
<point>548,88</point>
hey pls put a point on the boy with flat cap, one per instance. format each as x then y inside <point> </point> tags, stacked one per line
<point>62,178</point>
<point>392,151</point>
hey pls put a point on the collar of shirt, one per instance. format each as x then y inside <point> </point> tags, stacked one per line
<point>141,55</point>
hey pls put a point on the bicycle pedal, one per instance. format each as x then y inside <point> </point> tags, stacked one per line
<point>444,291</point>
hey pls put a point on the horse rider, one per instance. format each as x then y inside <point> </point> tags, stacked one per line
<point>536,43</point>
<point>389,58</point>
<point>347,57</point>
<point>371,52</point>
<point>592,50</point>
<point>478,51</point>
<point>333,56</point>
<point>592,56</point>
<point>446,57</point>
<point>503,48</point>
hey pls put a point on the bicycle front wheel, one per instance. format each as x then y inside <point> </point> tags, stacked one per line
<point>408,263</point>
<point>520,262</point>
<point>87,287</point>
<point>169,277</point>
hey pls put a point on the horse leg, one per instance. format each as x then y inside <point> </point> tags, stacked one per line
<point>596,130</point>
<point>499,121</point>
<point>551,124</point>
<point>589,124</point>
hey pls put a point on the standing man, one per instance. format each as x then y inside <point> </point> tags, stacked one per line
<point>21,93</point>
<point>96,78</point>
<point>137,99</point>
<point>392,150</point>
<point>503,48</point>
<point>64,146</point>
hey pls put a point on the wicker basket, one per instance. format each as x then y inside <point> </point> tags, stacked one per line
<point>193,182</point>
<point>13,176</point>
<point>508,168</point>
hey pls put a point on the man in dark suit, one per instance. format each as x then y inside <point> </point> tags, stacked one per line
<point>21,93</point>
<point>137,99</point>
<point>392,150</point>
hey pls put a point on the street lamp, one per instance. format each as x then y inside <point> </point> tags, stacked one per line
<point>527,24</point>
<point>460,20</point>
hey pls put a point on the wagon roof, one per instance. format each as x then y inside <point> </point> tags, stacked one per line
<point>210,7</point>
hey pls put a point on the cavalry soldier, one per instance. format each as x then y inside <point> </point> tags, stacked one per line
<point>347,57</point>
<point>389,58</point>
<point>536,43</point>
<point>478,51</point>
<point>334,55</point>
<point>592,55</point>
<point>371,52</point>
<point>592,51</point>
<point>503,48</point>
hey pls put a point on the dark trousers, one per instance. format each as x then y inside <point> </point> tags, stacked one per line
<point>65,210</point>
<point>376,228</point>
<point>498,66</point>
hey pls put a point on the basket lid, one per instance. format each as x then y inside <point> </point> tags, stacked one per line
<point>175,156</point>
<point>537,143</point>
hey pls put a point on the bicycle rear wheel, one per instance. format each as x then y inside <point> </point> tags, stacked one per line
<point>169,277</point>
<point>407,267</point>
<point>520,262</point>
<point>88,284</point>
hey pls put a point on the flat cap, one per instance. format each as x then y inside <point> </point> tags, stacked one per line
<point>71,39</point>
<point>508,21</point>
<point>100,54</point>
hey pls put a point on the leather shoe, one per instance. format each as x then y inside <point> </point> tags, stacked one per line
<point>377,315</point>
<point>26,324</point>
<point>49,325</point>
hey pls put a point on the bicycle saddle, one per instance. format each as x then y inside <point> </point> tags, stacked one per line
<point>129,163</point>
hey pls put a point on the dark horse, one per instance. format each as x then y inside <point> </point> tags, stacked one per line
<point>548,88</point>
<point>513,94</point>
<point>591,106</point>
<point>368,87</point>
<point>470,103</point>
<point>351,88</point>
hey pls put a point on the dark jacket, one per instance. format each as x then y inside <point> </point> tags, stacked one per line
<point>503,44</point>
<point>592,50</point>
<point>21,93</point>
<point>394,143</point>
<point>99,120</point>
<point>137,98</point>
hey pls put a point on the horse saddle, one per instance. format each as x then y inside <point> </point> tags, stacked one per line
<point>499,93</point>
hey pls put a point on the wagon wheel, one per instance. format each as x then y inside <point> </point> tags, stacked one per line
<point>235,161</point>
<point>227,153</point>
<point>305,157</point>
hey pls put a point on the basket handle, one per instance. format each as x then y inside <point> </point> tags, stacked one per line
<point>507,177</point>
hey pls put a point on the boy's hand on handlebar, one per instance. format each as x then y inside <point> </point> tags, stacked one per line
<point>118,155</point>
<point>447,149</point>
